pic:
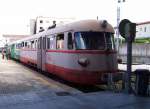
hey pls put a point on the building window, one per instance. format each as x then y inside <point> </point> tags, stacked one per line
<point>41,28</point>
<point>41,21</point>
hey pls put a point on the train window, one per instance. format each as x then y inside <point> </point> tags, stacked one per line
<point>44,42</point>
<point>60,41</point>
<point>48,43</point>
<point>70,42</point>
<point>25,44</point>
<point>19,45</point>
<point>39,43</point>
<point>28,44</point>
<point>90,40</point>
<point>109,41</point>
<point>32,44</point>
<point>35,43</point>
<point>16,45</point>
<point>22,44</point>
<point>52,39</point>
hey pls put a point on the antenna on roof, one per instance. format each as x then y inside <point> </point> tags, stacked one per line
<point>97,17</point>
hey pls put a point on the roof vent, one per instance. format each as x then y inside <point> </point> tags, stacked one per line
<point>104,24</point>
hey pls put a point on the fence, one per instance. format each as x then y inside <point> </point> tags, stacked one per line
<point>140,53</point>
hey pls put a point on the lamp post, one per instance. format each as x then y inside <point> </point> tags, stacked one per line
<point>118,21</point>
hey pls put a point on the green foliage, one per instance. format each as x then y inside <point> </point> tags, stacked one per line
<point>138,40</point>
<point>142,40</point>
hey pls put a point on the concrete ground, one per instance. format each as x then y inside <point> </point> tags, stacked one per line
<point>134,67</point>
<point>23,88</point>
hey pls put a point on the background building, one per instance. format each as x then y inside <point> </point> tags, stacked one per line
<point>143,30</point>
<point>36,25</point>
<point>32,26</point>
<point>42,23</point>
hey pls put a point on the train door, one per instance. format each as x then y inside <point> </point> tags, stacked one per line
<point>39,53</point>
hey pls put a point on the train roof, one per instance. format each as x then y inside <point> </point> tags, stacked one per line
<point>83,25</point>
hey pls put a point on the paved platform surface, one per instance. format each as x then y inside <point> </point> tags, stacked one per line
<point>134,67</point>
<point>23,88</point>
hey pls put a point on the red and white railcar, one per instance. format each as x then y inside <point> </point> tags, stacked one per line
<point>81,52</point>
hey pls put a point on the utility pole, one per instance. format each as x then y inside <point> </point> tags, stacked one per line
<point>127,30</point>
<point>118,21</point>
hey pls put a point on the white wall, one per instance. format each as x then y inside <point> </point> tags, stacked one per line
<point>143,30</point>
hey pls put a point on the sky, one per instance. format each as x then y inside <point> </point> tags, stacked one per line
<point>16,14</point>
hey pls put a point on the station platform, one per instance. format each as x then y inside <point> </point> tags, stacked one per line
<point>24,88</point>
<point>123,67</point>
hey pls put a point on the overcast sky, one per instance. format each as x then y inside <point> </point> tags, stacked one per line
<point>15,14</point>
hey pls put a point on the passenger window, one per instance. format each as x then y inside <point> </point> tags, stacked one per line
<point>44,42</point>
<point>70,42</point>
<point>32,44</point>
<point>22,44</point>
<point>48,43</point>
<point>28,44</point>
<point>52,39</point>
<point>60,41</point>
<point>25,44</point>
<point>35,43</point>
<point>17,46</point>
<point>39,43</point>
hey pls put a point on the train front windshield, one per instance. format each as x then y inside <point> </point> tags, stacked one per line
<point>94,41</point>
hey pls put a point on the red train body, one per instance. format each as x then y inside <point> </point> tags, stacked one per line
<point>81,52</point>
